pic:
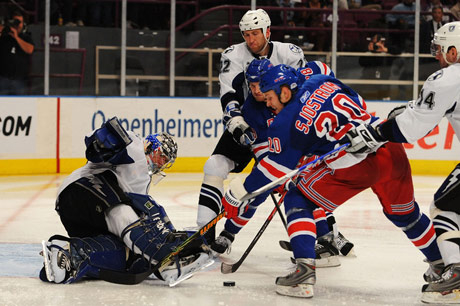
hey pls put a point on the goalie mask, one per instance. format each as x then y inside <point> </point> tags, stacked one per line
<point>445,37</point>
<point>160,151</point>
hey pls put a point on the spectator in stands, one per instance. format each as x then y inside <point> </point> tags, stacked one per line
<point>317,20</point>
<point>428,28</point>
<point>95,13</point>
<point>402,21</point>
<point>375,67</point>
<point>16,46</point>
<point>455,10</point>
<point>365,4</point>
<point>437,3</point>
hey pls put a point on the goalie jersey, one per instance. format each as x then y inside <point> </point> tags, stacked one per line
<point>131,170</point>
<point>319,115</point>
<point>439,97</point>
<point>259,116</point>
<point>236,58</point>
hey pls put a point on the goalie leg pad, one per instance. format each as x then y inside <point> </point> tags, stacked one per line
<point>150,237</point>
<point>67,260</point>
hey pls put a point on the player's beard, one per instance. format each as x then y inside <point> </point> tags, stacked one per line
<point>258,52</point>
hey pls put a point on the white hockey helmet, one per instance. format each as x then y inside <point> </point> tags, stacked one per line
<point>447,36</point>
<point>255,19</point>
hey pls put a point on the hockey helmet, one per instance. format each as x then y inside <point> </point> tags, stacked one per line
<point>447,36</point>
<point>256,68</point>
<point>255,19</point>
<point>278,76</point>
<point>161,151</point>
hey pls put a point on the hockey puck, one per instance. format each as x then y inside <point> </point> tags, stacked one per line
<point>229,284</point>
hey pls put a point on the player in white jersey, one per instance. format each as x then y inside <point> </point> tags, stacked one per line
<point>105,209</point>
<point>439,97</point>
<point>232,153</point>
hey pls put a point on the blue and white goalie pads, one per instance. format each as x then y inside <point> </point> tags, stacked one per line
<point>107,141</point>
<point>67,260</point>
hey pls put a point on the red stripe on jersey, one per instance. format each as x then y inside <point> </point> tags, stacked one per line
<point>325,69</point>
<point>239,221</point>
<point>272,170</point>
<point>428,236</point>
<point>302,226</point>
<point>319,213</point>
<point>260,148</point>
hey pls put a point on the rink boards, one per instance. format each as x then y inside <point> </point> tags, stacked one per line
<point>41,135</point>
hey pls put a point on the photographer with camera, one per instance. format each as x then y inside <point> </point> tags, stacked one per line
<point>16,46</point>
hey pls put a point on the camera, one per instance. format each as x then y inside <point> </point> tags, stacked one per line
<point>374,40</point>
<point>12,23</point>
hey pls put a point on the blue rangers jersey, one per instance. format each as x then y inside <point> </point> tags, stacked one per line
<point>235,60</point>
<point>320,114</point>
<point>259,116</point>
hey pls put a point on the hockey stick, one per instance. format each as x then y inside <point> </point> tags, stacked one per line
<point>226,268</point>
<point>283,243</point>
<point>293,173</point>
<point>135,278</point>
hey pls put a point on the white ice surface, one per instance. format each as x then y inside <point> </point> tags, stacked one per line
<point>387,270</point>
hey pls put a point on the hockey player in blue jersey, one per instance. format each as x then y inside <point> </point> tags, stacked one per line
<point>232,153</point>
<point>259,118</point>
<point>314,119</point>
<point>112,222</point>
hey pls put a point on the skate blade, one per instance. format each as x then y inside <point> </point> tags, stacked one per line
<point>46,262</point>
<point>301,290</point>
<point>203,264</point>
<point>331,261</point>
<point>439,298</point>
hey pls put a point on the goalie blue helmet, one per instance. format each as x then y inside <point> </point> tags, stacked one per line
<point>256,68</point>
<point>161,151</point>
<point>278,76</point>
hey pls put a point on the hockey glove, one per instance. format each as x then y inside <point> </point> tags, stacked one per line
<point>106,141</point>
<point>363,139</point>
<point>231,203</point>
<point>234,122</point>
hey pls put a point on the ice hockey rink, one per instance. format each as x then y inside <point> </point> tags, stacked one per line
<point>387,269</point>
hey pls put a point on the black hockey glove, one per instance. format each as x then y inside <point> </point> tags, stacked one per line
<point>364,139</point>
<point>235,124</point>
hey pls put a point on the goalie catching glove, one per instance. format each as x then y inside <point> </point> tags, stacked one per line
<point>231,203</point>
<point>364,139</point>
<point>234,122</point>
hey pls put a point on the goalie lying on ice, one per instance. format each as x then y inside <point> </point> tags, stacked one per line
<point>116,228</point>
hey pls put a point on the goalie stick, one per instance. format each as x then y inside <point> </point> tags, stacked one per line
<point>135,278</point>
<point>293,173</point>
<point>227,268</point>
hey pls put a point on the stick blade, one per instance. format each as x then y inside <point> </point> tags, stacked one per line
<point>226,268</point>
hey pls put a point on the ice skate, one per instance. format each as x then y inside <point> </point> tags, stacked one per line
<point>298,283</point>
<point>56,265</point>
<point>446,290</point>
<point>434,272</point>
<point>327,254</point>
<point>345,247</point>
<point>223,243</point>
<point>176,273</point>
